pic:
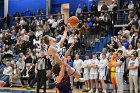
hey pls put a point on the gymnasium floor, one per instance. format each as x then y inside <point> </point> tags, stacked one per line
<point>23,90</point>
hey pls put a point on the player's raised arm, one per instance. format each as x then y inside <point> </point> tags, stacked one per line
<point>69,50</point>
<point>64,36</point>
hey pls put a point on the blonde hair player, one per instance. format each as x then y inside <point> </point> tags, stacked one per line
<point>55,50</point>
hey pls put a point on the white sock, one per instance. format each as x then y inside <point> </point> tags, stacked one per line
<point>104,91</point>
<point>92,89</point>
<point>114,90</point>
<point>81,80</point>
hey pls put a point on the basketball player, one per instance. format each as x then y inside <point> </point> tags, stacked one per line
<point>62,77</point>
<point>102,68</point>
<point>55,50</point>
<point>94,72</point>
<point>85,66</point>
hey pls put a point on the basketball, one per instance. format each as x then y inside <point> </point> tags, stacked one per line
<point>73,20</point>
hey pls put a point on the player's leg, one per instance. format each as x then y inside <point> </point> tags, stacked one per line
<point>103,86</point>
<point>102,78</point>
<point>113,80</point>
<point>91,83</point>
<point>96,82</point>
<point>71,71</point>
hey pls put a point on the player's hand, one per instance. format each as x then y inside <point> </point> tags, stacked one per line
<point>89,65</point>
<point>68,27</point>
<point>93,65</point>
<point>113,65</point>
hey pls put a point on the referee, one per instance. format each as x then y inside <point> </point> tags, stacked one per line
<point>41,67</point>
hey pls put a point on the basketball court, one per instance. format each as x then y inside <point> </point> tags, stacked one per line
<point>24,90</point>
<point>21,90</point>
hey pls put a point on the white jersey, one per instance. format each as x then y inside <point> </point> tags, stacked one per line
<point>94,70</point>
<point>103,66</point>
<point>58,49</point>
<point>85,65</point>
